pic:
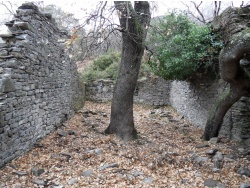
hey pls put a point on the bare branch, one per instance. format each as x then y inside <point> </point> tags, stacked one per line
<point>192,14</point>
<point>197,7</point>
<point>217,7</point>
<point>8,7</point>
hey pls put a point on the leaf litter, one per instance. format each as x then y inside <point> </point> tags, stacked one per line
<point>79,154</point>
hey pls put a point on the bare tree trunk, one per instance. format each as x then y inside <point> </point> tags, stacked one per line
<point>134,23</point>
<point>220,108</point>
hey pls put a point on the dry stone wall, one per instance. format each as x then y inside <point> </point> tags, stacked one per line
<point>191,100</point>
<point>151,91</point>
<point>39,86</point>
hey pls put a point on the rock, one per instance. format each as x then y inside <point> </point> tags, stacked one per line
<point>54,156</point>
<point>218,164</point>
<point>215,170</point>
<point>152,112</point>
<point>22,25</point>
<point>13,166</point>
<point>66,155</point>
<point>72,181</point>
<point>148,180</point>
<point>86,115</point>
<point>136,173</point>
<point>97,151</point>
<point>28,5</point>
<point>3,53</point>
<point>37,172</point>
<point>244,171</point>
<point>230,156</point>
<point>211,151</point>
<point>247,142</point>
<point>218,156</point>
<point>241,150</point>
<point>87,173</point>
<point>72,132</point>
<point>200,159</point>
<point>62,133</point>
<point>245,185</point>
<point>113,165</point>
<point>213,140</point>
<point>38,145</point>
<point>16,186</point>
<point>221,185</point>
<point>20,173</point>
<point>151,166</point>
<point>211,183</point>
<point>2,43</point>
<point>6,85</point>
<point>217,159</point>
<point>130,177</point>
<point>246,151</point>
<point>39,182</point>
<point>202,145</point>
<point>57,186</point>
<point>198,174</point>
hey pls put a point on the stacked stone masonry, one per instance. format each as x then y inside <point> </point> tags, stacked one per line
<point>38,82</point>
<point>191,100</point>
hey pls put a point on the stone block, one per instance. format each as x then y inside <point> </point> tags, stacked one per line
<point>6,85</point>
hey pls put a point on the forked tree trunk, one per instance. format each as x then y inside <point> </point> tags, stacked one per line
<point>134,23</point>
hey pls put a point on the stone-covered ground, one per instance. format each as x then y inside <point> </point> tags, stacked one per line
<point>168,153</point>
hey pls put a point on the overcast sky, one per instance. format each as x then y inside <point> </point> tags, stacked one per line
<point>77,6</point>
<point>80,7</point>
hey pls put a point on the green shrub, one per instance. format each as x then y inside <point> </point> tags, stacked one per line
<point>105,61</point>
<point>104,67</point>
<point>182,48</point>
<point>112,70</point>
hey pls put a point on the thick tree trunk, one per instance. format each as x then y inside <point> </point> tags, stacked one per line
<point>122,122</point>
<point>134,24</point>
<point>220,108</point>
<point>235,32</point>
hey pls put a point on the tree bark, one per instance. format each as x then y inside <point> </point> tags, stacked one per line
<point>134,23</point>
<point>232,59</point>
<point>220,108</point>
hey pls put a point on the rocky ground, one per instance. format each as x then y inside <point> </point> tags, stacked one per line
<point>168,153</point>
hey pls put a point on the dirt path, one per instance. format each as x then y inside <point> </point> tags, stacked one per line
<point>165,155</point>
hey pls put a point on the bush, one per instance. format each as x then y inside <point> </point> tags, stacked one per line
<point>104,67</point>
<point>105,61</point>
<point>107,66</point>
<point>182,48</point>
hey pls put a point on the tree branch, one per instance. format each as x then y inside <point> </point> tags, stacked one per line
<point>197,7</point>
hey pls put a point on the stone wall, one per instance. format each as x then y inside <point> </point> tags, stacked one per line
<point>191,100</point>
<point>38,82</point>
<point>152,91</point>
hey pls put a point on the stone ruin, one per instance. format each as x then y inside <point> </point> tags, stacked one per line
<point>39,85</point>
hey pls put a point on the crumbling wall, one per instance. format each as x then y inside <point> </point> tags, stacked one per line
<point>39,87</point>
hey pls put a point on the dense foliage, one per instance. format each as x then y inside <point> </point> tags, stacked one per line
<point>104,67</point>
<point>181,47</point>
